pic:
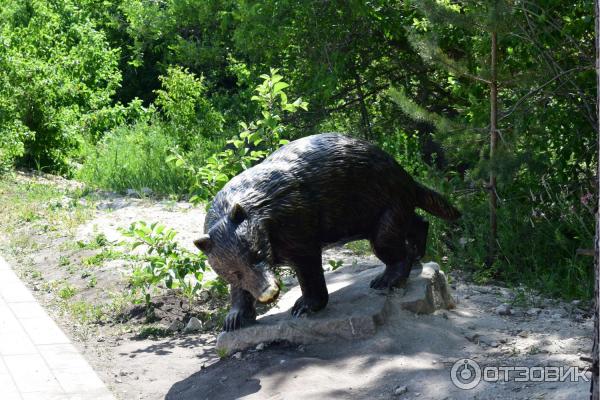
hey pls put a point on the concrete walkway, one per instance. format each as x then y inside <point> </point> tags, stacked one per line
<point>37,360</point>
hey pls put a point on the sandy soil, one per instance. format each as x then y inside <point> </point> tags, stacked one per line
<point>413,351</point>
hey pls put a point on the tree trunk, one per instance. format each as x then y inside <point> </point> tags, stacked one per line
<point>595,393</point>
<point>493,144</point>
<point>364,113</point>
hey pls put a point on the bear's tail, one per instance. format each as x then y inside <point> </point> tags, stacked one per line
<point>433,202</point>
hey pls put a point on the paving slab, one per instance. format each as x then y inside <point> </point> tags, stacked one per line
<point>37,360</point>
<point>354,310</point>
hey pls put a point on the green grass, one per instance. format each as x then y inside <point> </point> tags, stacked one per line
<point>103,256</point>
<point>222,353</point>
<point>40,207</point>
<point>359,247</point>
<point>133,157</point>
<point>66,292</point>
<point>87,313</point>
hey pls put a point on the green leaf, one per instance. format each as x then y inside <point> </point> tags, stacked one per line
<point>279,86</point>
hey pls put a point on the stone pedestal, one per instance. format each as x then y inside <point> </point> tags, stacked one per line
<point>354,310</point>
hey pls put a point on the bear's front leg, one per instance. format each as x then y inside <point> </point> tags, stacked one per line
<point>242,312</point>
<point>312,283</point>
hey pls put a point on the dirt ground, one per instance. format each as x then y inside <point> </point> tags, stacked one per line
<point>410,357</point>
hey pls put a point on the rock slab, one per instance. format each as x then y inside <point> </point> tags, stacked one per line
<point>354,310</point>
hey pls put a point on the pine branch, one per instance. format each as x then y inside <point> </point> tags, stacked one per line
<point>431,53</point>
<point>418,113</point>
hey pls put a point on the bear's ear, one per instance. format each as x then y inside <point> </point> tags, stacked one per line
<point>203,243</point>
<point>237,213</point>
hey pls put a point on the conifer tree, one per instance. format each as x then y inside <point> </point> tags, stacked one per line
<point>480,18</point>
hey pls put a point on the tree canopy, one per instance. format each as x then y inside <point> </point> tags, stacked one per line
<point>83,80</point>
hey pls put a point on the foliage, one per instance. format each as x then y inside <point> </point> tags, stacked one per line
<point>256,140</point>
<point>335,264</point>
<point>190,115</point>
<point>133,158</point>
<point>164,263</point>
<point>57,72</point>
<point>106,89</point>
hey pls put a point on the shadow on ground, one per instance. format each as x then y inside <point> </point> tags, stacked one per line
<point>416,351</point>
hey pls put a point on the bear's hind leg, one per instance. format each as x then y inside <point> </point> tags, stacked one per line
<point>389,245</point>
<point>417,237</point>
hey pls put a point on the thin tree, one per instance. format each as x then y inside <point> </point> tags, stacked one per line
<point>483,18</point>
<point>595,393</point>
<point>493,145</point>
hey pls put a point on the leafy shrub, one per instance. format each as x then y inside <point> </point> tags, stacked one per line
<point>165,263</point>
<point>55,69</point>
<point>256,140</point>
<point>12,135</point>
<point>538,235</point>
<point>133,155</point>
<point>190,116</point>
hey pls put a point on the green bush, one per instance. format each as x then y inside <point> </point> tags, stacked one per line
<point>12,136</point>
<point>164,263</point>
<point>56,69</point>
<point>266,132</point>
<point>189,116</point>
<point>538,235</point>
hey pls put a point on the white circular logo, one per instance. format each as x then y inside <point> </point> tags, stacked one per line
<point>465,374</point>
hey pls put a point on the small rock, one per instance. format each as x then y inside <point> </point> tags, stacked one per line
<point>556,316</point>
<point>289,280</point>
<point>534,311</point>
<point>193,325</point>
<point>503,309</point>
<point>301,348</point>
<point>576,302</point>
<point>132,193</point>
<point>223,379</point>
<point>204,296</point>
<point>260,346</point>
<point>494,344</point>
<point>523,334</point>
<point>281,361</point>
<point>100,339</point>
<point>517,313</point>
<point>472,337</point>
<point>123,373</point>
<point>237,356</point>
<point>400,390</point>
<point>146,191</point>
<point>175,326</point>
